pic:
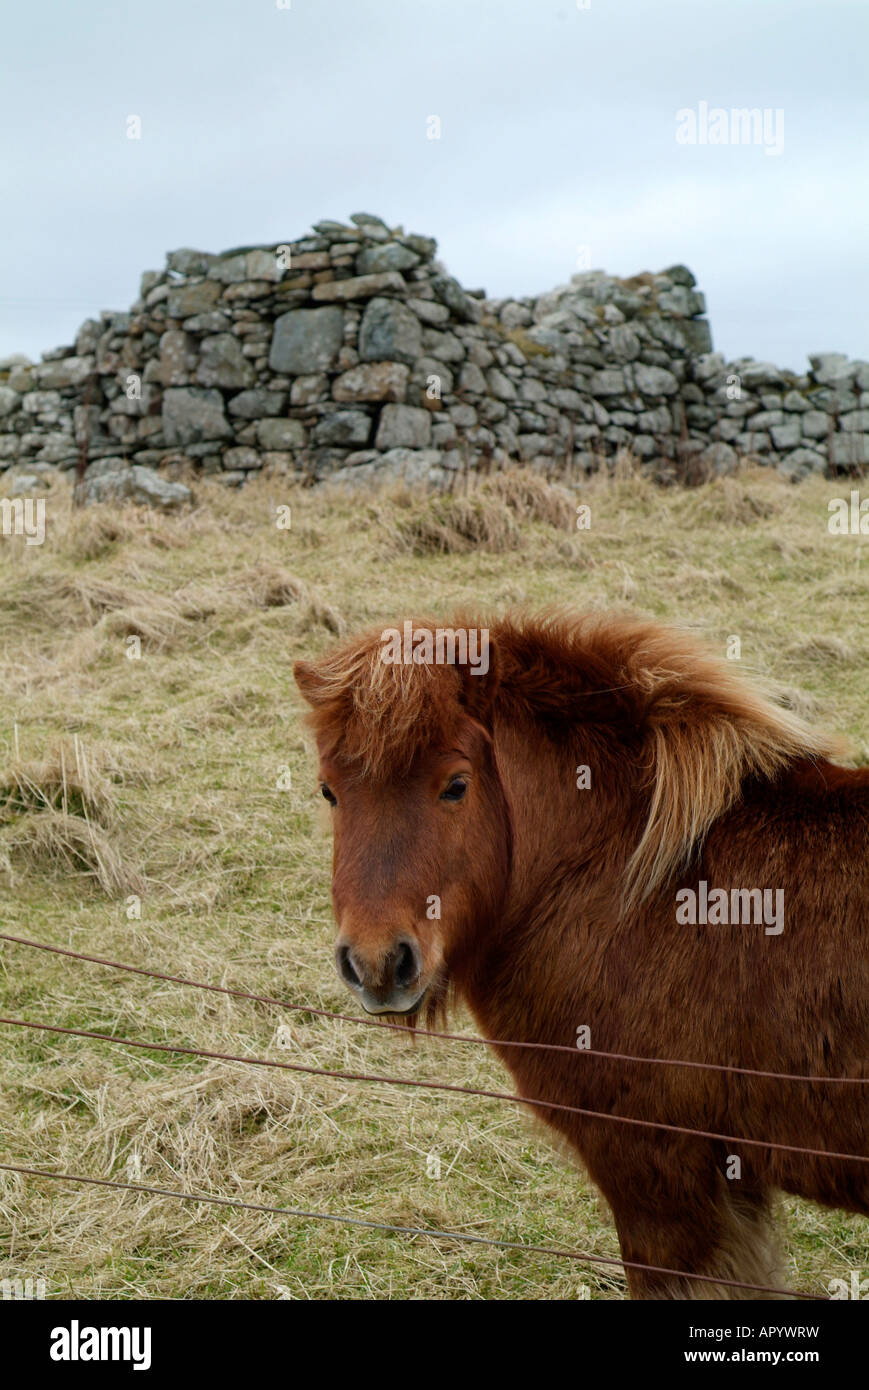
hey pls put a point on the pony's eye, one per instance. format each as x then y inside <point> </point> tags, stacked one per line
<point>455,790</point>
<point>329,794</point>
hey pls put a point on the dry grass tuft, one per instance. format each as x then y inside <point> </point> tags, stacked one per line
<point>56,843</point>
<point>92,533</point>
<point>735,503</point>
<point>60,816</point>
<point>319,613</point>
<point>269,586</point>
<point>159,625</point>
<point>824,647</point>
<point>96,532</point>
<point>272,586</point>
<point>64,781</point>
<point>490,516</point>
<point>532,498</point>
<point>450,525</point>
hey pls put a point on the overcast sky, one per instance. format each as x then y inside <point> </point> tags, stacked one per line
<point>557,131</point>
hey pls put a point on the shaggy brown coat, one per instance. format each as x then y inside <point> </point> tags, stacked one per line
<point>558,908</point>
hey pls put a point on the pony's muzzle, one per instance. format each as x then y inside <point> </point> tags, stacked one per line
<point>389,984</point>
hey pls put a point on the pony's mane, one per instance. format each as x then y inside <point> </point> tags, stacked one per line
<point>702,730</point>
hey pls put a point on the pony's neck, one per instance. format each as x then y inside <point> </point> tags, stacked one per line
<point>573,808</point>
<point>562,834</point>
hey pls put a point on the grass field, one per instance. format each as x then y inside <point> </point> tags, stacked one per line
<point>183,781</point>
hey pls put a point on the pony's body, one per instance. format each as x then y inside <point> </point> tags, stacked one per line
<point>558,911</point>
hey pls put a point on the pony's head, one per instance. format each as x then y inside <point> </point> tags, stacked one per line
<point>402,719</point>
<point>423,847</point>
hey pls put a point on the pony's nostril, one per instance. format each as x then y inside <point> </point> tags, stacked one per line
<point>346,968</point>
<point>398,973</point>
<point>407,965</point>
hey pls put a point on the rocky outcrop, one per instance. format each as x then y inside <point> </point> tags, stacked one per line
<point>351,354</point>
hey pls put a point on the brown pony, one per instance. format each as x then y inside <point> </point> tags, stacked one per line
<point>523,833</point>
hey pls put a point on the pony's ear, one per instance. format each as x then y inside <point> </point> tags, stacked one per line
<point>310,682</point>
<point>480,680</point>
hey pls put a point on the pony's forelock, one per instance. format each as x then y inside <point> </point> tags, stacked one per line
<point>375,715</point>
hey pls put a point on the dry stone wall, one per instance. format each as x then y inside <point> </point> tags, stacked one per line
<point>352,354</point>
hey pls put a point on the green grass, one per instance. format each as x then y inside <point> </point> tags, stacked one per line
<point>179,754</point>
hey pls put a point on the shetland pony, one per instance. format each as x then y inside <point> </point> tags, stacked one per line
<point>530,839</point>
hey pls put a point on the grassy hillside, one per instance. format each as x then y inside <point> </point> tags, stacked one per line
<point>164,777</point>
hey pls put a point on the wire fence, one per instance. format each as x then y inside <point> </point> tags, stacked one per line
<point>335,1075</point>
<point>318,1012</point>
<point>432,1234</point>
<point>299,1067</point>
